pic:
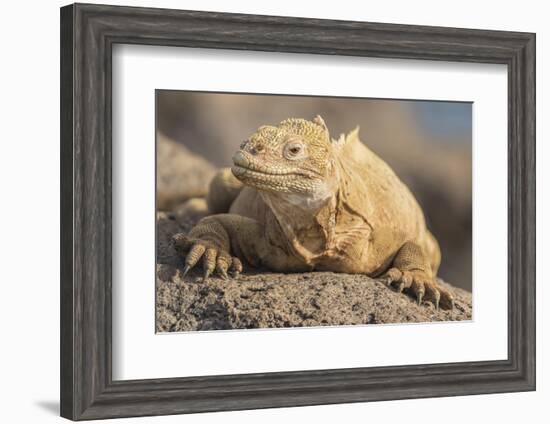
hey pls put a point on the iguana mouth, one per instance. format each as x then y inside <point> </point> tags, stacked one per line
<point>243,165</point>
<point>240,170</point>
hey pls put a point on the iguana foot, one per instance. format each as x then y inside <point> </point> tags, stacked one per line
<point>215,259</point>
<point>420,285</point>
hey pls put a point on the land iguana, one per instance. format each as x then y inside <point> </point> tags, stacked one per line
<point>296,200</point>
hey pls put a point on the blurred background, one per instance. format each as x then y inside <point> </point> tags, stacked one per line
<point>427,143</point>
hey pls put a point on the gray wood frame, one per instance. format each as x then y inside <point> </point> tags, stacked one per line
<point>88,33</point>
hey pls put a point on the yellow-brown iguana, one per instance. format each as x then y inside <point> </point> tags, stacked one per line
<point>297,200</point>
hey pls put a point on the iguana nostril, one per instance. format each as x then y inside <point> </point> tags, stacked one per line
<point>255,149</point>
<point>240,159</point>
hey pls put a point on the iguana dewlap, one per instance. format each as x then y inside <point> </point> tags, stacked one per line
<point>297,200</point>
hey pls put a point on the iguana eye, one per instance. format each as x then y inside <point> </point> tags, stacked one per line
<point>294,150</point>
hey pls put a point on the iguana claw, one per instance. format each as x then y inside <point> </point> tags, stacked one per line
<point>186,270</point>
<point>205,276</point>
<point>400,286</point>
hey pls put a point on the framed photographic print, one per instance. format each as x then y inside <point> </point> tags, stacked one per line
<point>266,211</point>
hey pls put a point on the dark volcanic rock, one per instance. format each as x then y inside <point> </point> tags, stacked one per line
<point>260,299</point>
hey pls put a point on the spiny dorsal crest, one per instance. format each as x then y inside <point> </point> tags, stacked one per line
<point>346,139</point>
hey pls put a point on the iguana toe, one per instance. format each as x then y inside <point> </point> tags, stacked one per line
<point>222,265</point>
<point>419,297</point>
<point>215,261</point>
<point>194,255</point>
<point>209,262</point>
<point>420,286</point>
<point>236,267</point>
<point>395,278</point>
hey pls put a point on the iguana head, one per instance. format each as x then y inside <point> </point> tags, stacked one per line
<point>294,158</point>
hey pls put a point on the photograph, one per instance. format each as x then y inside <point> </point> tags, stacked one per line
<point>281,211</point>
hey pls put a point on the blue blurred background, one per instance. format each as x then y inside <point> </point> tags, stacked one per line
<point>448,121</point>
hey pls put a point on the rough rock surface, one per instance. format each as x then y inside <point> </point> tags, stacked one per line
<point>260,299</point>
<point>183,175</point>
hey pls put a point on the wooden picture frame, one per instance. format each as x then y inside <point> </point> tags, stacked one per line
<point>88,33</point>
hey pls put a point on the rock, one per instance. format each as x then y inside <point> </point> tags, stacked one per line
<point>181,175</point>
<point>262,299</point>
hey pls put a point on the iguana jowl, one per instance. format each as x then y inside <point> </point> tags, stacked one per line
<point>297,200</point>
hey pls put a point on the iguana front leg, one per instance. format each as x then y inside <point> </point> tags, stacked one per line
<point>221,241</point>
<point>411,270</point>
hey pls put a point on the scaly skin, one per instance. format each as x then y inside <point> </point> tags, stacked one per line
<point>297,200</point>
